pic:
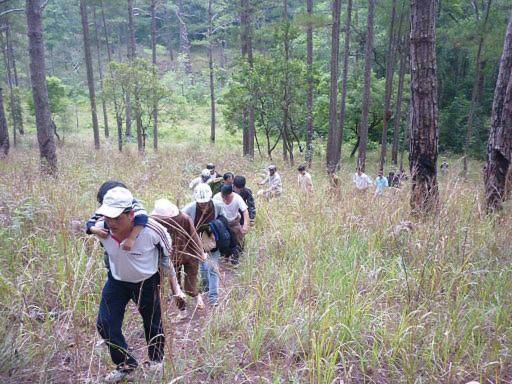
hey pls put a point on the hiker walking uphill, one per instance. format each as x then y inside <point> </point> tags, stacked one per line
<point>246,194</point>
<point>203,211</point>
<point>233,204</point>
<point>204,178</point>
<point>273,182</point>
<point>187,250</point>
<point>133,275</point>
<point>362,181</point>
<point>304,180</point>
<point>381,183</point>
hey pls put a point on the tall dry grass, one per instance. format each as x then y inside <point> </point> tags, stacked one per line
<point>332,288</point>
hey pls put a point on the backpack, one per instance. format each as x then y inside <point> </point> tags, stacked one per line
<point>222,235</point>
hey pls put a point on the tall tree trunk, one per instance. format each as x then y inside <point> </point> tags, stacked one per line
<point>474,93</point>
<point>184,41</point>
<point>10,80</point>
<point>424,126</point>
<point>210,66</point>
<point>45,134</point>
<point>18,111</point>
<point>153,56</point>
<point>287,141</point>
<point>499,148</point>
<point>4,131</point>
<point>367,86</point>
<point>332,145</point>
<point>100,71</point>
<point>404,50</point>
<point>90,75</point>
<point>248,113</point>
<point>117,107</point>
<point>130,49</point>
<point>344,80</point>
<point>309,103</point>
<point>407,138</point>
<point>390,65</point>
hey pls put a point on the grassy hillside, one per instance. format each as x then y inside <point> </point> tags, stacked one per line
<point>334,288</point>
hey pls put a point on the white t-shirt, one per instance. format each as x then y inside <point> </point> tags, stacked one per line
<point>362,182</point>
<point>141,262</point>
<point>305,182</point>
<point>231,210</point>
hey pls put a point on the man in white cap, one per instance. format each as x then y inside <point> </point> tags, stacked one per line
<point>133,275</point>
<point>204,178</point>
<point>187,250</point>
<point>202,211</point>
<point>274,183</point>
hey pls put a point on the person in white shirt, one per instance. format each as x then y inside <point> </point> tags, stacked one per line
<point>204,178</point>
<point>133,275</point>
<point>274,182</point>
<point>304,180</point>
<point>234,207</point>
<point>361,180</point>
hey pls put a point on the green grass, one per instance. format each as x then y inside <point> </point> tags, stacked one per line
<point>329,288</point>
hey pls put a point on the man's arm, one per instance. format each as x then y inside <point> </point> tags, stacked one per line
<point>251,205</point>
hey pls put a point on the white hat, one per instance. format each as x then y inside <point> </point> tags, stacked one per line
<point>203,193</point>
<point>115,202</point>
<point>165,208</point>
<point>205,173</point>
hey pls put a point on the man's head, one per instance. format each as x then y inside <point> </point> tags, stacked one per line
<point>210,167</point>
<point>228,178</point>
<point>238,184</point>
<point>164,208</point>
<point>272,169</point>
<point>359,172</point>
<point>302,169</point>
<point>107,186</point>
<point>203,194</point>
<point>227,193</point>
<point>205,175</point>
<point>380,173</point>
<point>117,209</point>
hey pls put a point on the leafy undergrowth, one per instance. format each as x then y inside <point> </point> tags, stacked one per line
<point>335,288</point>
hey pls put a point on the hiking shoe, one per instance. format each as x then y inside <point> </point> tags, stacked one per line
<point>118,375</point>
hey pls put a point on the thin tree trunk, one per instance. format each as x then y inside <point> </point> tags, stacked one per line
<point>45,134</point>
<point>100,71</point>
<point>344,80</point>
<point>248,113</point>
<point>398,112</point>
<point>332,145</point>
<point>184,41</point>
<point>4,131</point>
<point>10,81</point>
<point>287,146</point>
<point>390,65</point>
<point>90,75</point>
<point>309,118</point>
<point>18,112</point>
<point>407,138</point>
<point>474,93</point>
<point>131,57</point>
<point>367,86</point>
<point>210,66</point>
<point>499,148</point>
<point>424,127</point>
<point>153,51</point>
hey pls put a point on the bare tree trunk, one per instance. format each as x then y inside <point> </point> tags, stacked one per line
<point>309,118</point>
<point>332,145</point>
<point>246,38</point>
<point>210,66</point>
<point>404,50</point>
<point>424,127</point>
<point>287,145</point>
<point>14,85</point>
<point>407,138</point>
<point>45,135</point>
<point>390,65</point>
<point>100,71</point>
<point>474,93</point>
<point>367,86</point>
<point>90,75</point>
<point>344,80</point>
<point>499,148</point>
<point>11,90</point>
<point>153,52</point>
<point>4,131</point>
<point>131,56</point>
<point>184,41</point>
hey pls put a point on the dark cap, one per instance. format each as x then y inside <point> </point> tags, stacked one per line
<point>210,166</point>
<point>226,189</point>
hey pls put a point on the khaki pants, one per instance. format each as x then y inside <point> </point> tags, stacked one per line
<point>236,231</point>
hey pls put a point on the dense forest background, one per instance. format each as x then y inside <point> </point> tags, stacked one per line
<point>185,33</point>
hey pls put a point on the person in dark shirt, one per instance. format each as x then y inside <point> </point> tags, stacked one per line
<point>240,188</point>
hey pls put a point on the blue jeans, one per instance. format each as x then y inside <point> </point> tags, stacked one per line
<point>114,299</point>
<point>210,276</point>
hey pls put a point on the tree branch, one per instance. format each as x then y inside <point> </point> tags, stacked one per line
<point>12,11</point>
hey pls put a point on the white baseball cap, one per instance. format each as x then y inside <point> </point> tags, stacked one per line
<point>165,208</point>
<point>115,202</point>
<point>203,193</point>
<point>205,173</point>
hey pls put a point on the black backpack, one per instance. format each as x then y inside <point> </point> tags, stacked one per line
<point>220,230</point>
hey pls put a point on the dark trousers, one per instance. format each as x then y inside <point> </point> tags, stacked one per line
<point>114,299</point>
